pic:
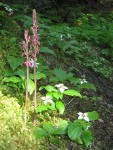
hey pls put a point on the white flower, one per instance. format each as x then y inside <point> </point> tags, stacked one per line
<point>83,116</point>
<point>32,63</point>
<point>83,81</point>
<point>8,9</point>
<point>47,99</point>
<point>61,87</point>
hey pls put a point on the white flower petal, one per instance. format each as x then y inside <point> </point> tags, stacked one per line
<point>80,113</point>
<point>43,98</point>
<point>85,114</point>
<point>86,118</point>
<point>80,117</point>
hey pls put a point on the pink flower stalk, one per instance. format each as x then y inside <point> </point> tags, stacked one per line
<point>30,48</point>
<point>35,43</point>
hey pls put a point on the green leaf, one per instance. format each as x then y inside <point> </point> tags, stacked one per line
<point>12,85</point>
<point>87,86</point>
<point>48,127</point>
<point>31,86</point>
<point>57,95</point>
<point>39,75</point>
<point>72,93</point>
<point>93,115</point>
<point>47,50</point>
<point>13,79</point>
<point>53,79</point>
<point>50,88</point>
<point>74,130</point>
<point>62,126</point>
<point>41,108</point>
<point>61,75</point>
<point>40,133</point>
<point>9,72</point>
<point>60,106</point>
<point>79,140</point>
<point>21,72</point>
<point>14,62</point>
<point>87,138</point>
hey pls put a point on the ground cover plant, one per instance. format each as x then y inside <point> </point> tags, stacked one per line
<point>68,106</point>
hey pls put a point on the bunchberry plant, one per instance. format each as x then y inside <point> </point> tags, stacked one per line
<point>30,48</point>
<point>77,130</point>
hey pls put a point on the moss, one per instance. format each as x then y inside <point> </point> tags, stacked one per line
<point>13,133</point>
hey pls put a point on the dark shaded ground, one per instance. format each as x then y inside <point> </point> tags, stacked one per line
<point>103,128</point>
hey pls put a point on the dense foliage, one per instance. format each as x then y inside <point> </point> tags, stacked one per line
<point>71,42</point>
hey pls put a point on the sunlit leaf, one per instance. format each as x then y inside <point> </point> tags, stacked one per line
<point>50,88</point>
<point>40,133</point>
<point>60,106</point>
<point>72,93</point>
<point>12,79</point>
<point>31,86</point>
<point>41,108</point>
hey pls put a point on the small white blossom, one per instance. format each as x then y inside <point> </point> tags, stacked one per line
<point>32,63</point>
<point>47,99</point>
<point>69,35</point>
<point>83,116</point>
<point>61,37</point>
<point>8,9</point>
<point>61,87</point>
<point>83,81</point>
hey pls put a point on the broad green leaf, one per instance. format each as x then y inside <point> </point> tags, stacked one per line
<point>72,93</point>
<point>74,130</point>
<point>62,126</point>
<point>21,72</point>
<point>87,86</point>
<point>39,75</point>
<point>87,138</point>
<point>41,108</point>
<point>60,106</point>
<point>62,75</point>
<point>53,79</point>
<point>57,95</point>
<point>48,127</point>
<point>31,86</point>
<point>12,85</point>
<point>51,106</point>
<point>13,79</point>
<point>47,50</point>
<point>40,133</point>
<point>9,72</point>
<point>50,94</point>
<point>50,88</point>
<point>93,115</point>
<point>14,62</point>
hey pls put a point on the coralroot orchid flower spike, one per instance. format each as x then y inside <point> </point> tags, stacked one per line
<point>30,49</point>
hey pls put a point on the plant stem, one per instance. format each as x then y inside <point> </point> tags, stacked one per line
<point>27,84</point>
<point>35,82</point>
